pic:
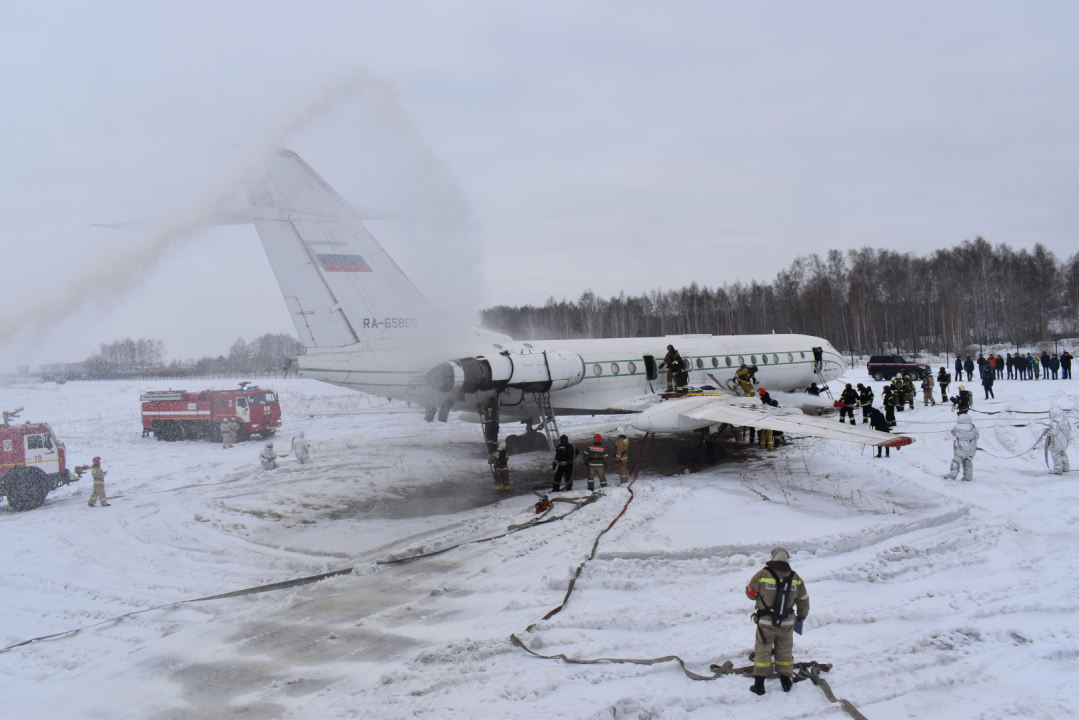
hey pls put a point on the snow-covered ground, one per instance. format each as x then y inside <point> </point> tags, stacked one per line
<point>932,598</point>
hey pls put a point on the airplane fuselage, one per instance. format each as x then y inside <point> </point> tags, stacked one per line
<point>615,369</point>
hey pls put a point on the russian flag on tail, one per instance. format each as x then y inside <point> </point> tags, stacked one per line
<point>343,263</point>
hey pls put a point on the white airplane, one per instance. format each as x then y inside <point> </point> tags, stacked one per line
<point>367,327</point>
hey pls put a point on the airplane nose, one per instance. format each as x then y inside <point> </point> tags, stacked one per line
<point>642,423</point>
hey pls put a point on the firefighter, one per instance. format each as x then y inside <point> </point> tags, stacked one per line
<point>300,447</point>
<point>965,445</point>
<point>621,455</point>
<point>228,432</point>
<point>818,360</point>
<point>878,422</point>
<point>500,459</point>
<point>767,438</point>
<point>674,364</point>
<point>813,389</point>
<point>897,392</point>
<point>944,379</point>
<point>777,592</point>
<point>865,399</point>
<point>962,401</point>
<point>744,377</point>
<point>909,391</point>
<point>564,456</point>
<point>889,405</point>
<point>849,398</point>
<point>596,460</point>
<point>99,483</point>
<point>1059,438</point>
<point>268,457</point>
<point>927,390</point>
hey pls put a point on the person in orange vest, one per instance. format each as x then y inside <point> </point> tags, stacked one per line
<point>596,460</point>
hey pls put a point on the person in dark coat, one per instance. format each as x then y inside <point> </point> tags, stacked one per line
<point>958,369</point>
<point>944,379</point>
<point>987,381</point>
<point>1054,365</point>
<point>1010,363</point>
<point>1066,365</point>
<point>969,367</point>
<point>1000,368</point>
<point>878,422</point>
<point>1045,364</point>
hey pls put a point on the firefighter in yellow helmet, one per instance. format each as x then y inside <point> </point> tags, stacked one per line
<point>782,604</point>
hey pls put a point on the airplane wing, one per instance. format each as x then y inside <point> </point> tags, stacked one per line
<point>693,413</point>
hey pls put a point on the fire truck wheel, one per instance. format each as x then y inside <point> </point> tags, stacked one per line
<point>241,434</point>
<point>268,433</point>
<point>171,431</point>
<point>27,488</point>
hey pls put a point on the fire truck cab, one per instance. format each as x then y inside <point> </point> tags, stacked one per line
<point>32,463</point>
<point>173,415</point>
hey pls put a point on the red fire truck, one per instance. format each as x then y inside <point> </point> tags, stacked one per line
<point>32,463</point>
<point>181,415</point>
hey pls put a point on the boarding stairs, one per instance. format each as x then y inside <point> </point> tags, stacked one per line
<point>547,418</point>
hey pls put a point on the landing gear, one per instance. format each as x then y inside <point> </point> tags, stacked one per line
<point>708,451</point>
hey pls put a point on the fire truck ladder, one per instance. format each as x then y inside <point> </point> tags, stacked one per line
<point>547,418</point>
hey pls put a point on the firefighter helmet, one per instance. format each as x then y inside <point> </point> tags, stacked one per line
<point>598,438</point>
<point>97,461</point>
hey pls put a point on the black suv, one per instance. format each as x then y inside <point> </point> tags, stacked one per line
<point>886,367</point>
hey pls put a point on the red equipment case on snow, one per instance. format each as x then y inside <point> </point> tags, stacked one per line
<point>181,415</point>
<point>32,463</point>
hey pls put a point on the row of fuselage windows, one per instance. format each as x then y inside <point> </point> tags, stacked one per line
<point>631,367</point>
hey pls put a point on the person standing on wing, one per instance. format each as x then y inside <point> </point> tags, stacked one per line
<point>965,445</point>
<point>1060,436</point>
<point>777,591</point>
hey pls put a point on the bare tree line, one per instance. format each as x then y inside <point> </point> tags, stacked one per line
<point>145,358</point>
<point>861,301</point>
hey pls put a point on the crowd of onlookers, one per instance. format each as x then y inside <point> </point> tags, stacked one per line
<point>1017,366</point>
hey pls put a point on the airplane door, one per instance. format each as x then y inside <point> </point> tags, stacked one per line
<point>650,371</point>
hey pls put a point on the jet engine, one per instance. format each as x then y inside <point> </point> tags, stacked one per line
<point>531,372</point>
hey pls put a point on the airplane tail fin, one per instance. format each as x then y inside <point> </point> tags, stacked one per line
<point>340,286</point>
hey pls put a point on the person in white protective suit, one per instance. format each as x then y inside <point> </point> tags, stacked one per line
<point>268,457</point>
<point>965,445</point>
<point>300,448</point>
<point>1060,435</point>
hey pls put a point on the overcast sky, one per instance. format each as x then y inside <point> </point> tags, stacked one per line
<point>521,150</point>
